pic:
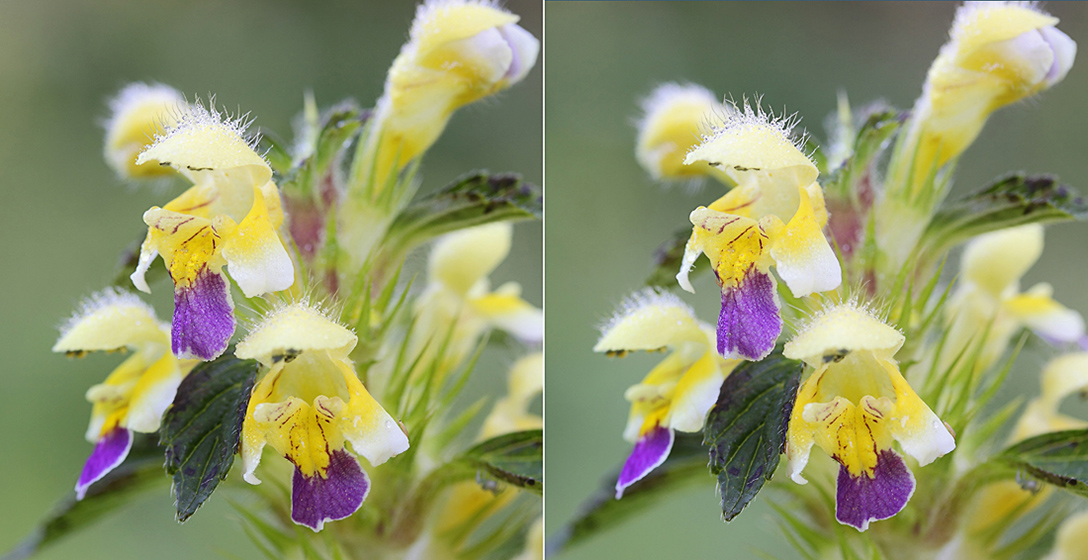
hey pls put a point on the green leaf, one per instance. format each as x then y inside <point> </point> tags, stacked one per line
<point>1014,200</point>
<point>516,458</point>
<point>201,430</point>
<point>474,199</point>
<point>141,471</point>
<point>1057,458</point>
<point>338,124</point>
<point>746,429</point>
<point>686,465</point>
<point>870,141</point>
<point>667,260</point>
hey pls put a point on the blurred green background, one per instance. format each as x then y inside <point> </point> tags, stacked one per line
<point>605,216</point>
<point>66,217</point>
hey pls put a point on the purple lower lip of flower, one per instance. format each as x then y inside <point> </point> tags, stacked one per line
<point>203,317</point>
<point>749,324</point>
<point>860,500</point>
<point>315,500</point>
<point>650,451</point>
<point>109,452</point>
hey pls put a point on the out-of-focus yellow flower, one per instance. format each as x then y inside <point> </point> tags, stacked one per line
<point>1062,377</point>
<point>133,397</point>
<point>534,542</point>
<point>229,217</point>
<point>458,301</point>
<point>989,296</point>
<point>308,407</point>
<point>998,53</point>
<point>679,391</point>
<point>1005,501</point>
<point>673,116</point>
<point>467,501</point>
<point>1071,542</point>
<point>138,114</point>
<point>854,406</point>
<point>511,413</point>
<point>459,51</point>
<point>774,216</point>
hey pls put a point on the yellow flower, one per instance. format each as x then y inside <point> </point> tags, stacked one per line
<point>138,114</point>
<point>853,406</point>
<point>511,413</point>
<point>135,395</point>
<point>468,502</point>
<point>229,217</point>
<point>1006,501</point>
<point>989,296</point>
<point>1069,544</point>
<point>1064,376</point>
<point>459,51</point>
<point>672,117</point>
<point>534,542</point>
<point>679,391</point>
<point>458,301</point>
<point>308,406</point>
<point>998,53</point>
<point>774,216</point>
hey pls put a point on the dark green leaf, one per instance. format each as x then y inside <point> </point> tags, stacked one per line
<point>201,430</point>
<point>667,260</point>
<point>686,464</point>
<point>1012,201</point>
<point>1057,458</point>
<point>474,199</point>
<point>141,471</point>
<point>746,429</point>
<point>516,458</point>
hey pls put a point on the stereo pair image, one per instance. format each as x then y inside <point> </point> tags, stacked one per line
<point>738,280</point>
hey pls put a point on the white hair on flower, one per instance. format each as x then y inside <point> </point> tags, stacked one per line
<point>647,297</point>
<point>968,11</point>
<point>138,93</point>
<point>872,309</point>
<point>195,115</point>
<point>332,313</point>
<point>669,93</point>
<point>109,297</point>
<point>743,115</point>
<point>431,8</point>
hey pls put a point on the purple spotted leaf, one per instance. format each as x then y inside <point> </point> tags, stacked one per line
<point>746,428</point>
<point>202,428</point>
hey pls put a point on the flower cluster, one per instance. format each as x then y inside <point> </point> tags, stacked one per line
<point>342,361</point>
<point>883,362</point>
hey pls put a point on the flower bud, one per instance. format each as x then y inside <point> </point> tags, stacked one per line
<point>999,53</point>
<point>459,51</point>
<point>672,118</point>
<point>138,114</point>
